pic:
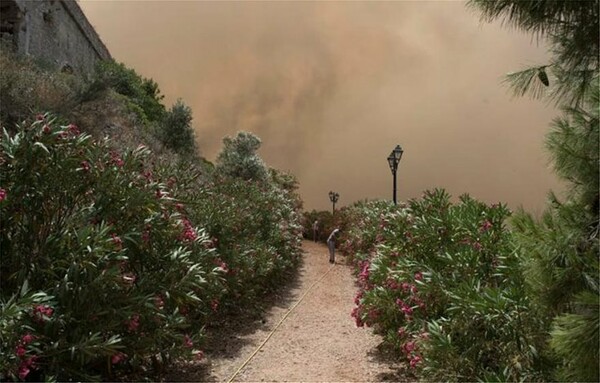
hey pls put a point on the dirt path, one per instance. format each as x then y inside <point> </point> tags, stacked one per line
<point>316,342</point>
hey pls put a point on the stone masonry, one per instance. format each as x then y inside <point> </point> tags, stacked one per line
<point>56,32</point>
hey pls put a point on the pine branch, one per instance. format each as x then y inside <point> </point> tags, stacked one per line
<point>531,80</point>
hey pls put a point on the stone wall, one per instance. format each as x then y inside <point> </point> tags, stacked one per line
<point>56,32</point>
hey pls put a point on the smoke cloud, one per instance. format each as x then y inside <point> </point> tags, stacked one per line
<point>332,87</point>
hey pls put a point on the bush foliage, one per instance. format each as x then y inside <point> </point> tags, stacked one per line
<point>111,265</point>
<point>442,283</point>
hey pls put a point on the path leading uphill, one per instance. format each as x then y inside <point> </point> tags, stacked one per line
<point>317,340</point>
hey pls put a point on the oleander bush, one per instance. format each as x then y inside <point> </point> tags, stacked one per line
<point>112,266</point>
<point>326,224</point>
<point>443,284</point>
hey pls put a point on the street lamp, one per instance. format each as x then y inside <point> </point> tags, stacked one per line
<point>393,161</point>
<point>333,197</point>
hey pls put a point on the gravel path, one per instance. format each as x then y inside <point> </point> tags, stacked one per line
<point>317,342</point>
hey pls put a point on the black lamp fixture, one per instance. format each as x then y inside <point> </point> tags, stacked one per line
<point>393,161</point>
<point>333,197</point>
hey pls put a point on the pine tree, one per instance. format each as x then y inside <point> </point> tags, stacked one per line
<point>571,29</point>
<point>562,247</point>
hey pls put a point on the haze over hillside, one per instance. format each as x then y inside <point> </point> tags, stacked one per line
<point>332,87</point>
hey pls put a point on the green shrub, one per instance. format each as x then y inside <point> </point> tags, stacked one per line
<point>143,93</point>
<point>256,226</point>
<point>27,89</point>
<point>176,130</point>
<point>105,272</point>
<point>443,284</point>
<point>239,159</point>
<point>101,237</point>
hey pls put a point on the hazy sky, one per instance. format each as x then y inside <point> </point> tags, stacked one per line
<point>332,87</point>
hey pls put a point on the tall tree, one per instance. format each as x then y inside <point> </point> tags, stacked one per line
<point>562,247</point>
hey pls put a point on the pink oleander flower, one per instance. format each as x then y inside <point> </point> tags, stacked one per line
<point>214,304</point>
<point>2,194</point>
<point>405,286</point>
<point>418,276</point>
<point>409,347</point>
<point>46,129</point>
<point>406,309</point>
<point>188,341</point>
<point>189,233</point>
<point>116,159</point>
<point>485,226</point>
<point>224,266</point>
<point>73,129</point>
<point>85,166</point>
<point>146,236</point>
<point>133,323</point>
<point>148,175</point>
<point>401,332</point>
<point>179,206</point>
<point>414,361</point>
<point>23,371</point>
<point>419,302</point>
<point>30,362</point>
<point>392,284</point>
<point>27,338</point>
<point>477,246</point>
<point>41,312</point>
<point>20,351</point>
<point>117,358</point>
<point>358,297</point>
<point>39,117</point>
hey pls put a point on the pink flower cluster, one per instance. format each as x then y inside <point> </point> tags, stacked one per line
<point>85,166</point>
<point>42,312</point>
<point>26,363</point>
<point>133,323</point>
<point>118,358</point>
<point>115,159</point>
<point>485,226</point>
<point>475,244</point>
<point>358,297</point>
<point>189,233</point>
<point>406,309</point>
<point>356,314</point>
<point>2,194</point>
<point>409,349</point>
<point>363,277</point>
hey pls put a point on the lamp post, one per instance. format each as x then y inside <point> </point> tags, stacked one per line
<point>333,197</point>
<point>393,161</point>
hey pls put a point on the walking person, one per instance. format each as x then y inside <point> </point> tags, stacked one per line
<point>331,244</point>
<point>316,230</point>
